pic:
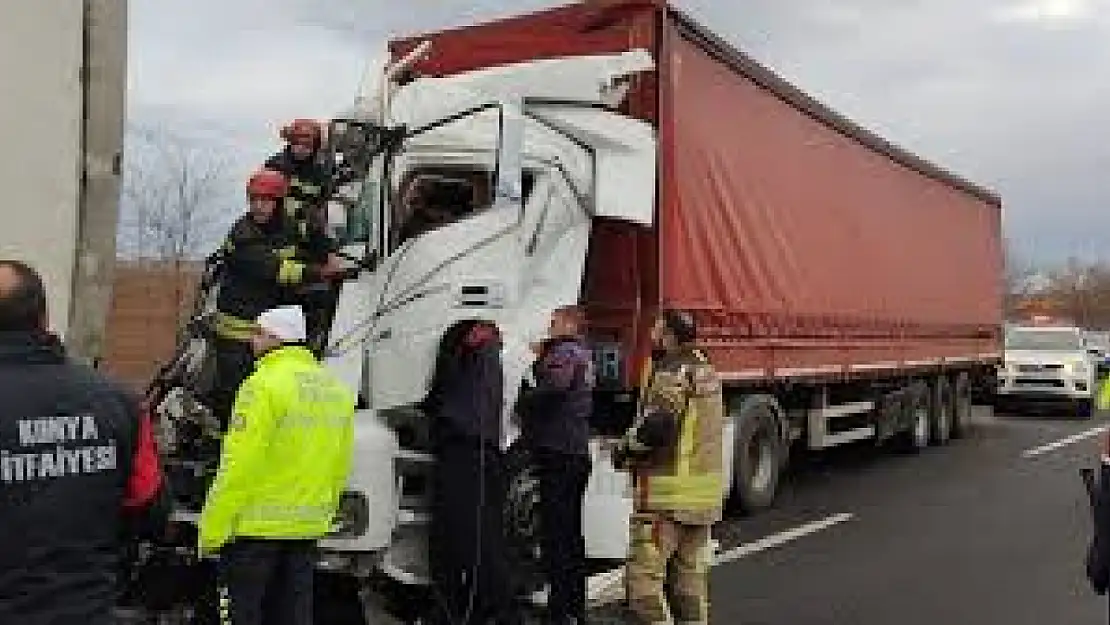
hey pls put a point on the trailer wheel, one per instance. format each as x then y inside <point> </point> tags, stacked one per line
<point>522,536</point>
<point>758,456</point>
<point>961,405</point>
<point>942,407</point>
<point>914,410</point>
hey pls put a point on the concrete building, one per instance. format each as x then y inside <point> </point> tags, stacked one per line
<point>63,67</point>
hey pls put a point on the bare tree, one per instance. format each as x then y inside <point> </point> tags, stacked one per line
<point>174,191</point>
<point>174,195</point>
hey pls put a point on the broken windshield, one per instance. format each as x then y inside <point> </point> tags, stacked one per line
<point>434,196</point>
<point>354,213</point>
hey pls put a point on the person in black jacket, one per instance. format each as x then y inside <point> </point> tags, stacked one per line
<point>554,413</point>
<point>79,471</point>
<point>471,583</point>
<point>313,176</point>
<point>265,265</point>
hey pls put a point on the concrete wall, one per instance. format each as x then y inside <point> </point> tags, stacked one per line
<point>63,65</point>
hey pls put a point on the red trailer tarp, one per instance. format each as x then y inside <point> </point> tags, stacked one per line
<point>804,243</point>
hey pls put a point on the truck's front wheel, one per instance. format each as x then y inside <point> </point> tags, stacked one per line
<point>758,456</point>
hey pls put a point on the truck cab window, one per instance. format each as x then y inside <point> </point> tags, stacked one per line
<point>433,197</point>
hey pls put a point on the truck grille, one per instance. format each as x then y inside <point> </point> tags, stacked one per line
<point>1038,368</point>
<point>1053,383</point>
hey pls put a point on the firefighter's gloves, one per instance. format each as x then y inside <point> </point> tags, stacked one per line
<point>657,429</point>
<point>334,270</point>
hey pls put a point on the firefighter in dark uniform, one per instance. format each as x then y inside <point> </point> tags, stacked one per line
<point>303,163</point>
<point>313,176</point>
<point>266,264</point>
<point>79,471</point>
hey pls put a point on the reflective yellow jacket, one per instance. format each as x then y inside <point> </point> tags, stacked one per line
<point>1102,387</point>
<point>686,477</point>
<point>286,456</point>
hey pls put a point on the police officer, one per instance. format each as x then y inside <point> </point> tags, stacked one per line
<point>78,469</point>
<point>265,264</point>
<point>284,463</point>
<point>554,414</point>
<point>675,452</point>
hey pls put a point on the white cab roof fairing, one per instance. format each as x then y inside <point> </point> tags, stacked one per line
<point>626,158</point>
<point>625,148</point>
<point>586,79</point>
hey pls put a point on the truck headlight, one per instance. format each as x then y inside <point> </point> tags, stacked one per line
<point>1079,367</point>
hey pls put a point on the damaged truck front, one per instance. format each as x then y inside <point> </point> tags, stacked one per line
<point>517,163</point>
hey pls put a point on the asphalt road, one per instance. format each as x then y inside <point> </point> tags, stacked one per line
<point>990,529</point>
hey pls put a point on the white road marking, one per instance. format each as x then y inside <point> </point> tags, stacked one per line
<point>1064,442</point>
<point>781,538</point>
<point>608,587</point>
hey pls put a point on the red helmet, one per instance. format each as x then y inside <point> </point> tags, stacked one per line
<point>303,129</point>
<point>267,183</point>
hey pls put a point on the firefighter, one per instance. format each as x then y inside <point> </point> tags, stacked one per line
<point>554,414</point>
<point>674,450</point>
<point>79,470</point>
<point>313,175</point>
<point>264,265</point>
<point>284,462</point>
<point>311,172</point>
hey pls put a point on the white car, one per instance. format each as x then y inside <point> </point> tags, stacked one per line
<point>1047,365</point>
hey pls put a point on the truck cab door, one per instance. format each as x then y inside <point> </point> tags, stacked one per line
<point>453,222</point>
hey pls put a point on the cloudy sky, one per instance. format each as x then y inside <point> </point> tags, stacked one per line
<point>1011,93</point>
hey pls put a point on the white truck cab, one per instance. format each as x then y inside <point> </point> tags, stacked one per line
<point>1049,364</point>
<point>513,179</point>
